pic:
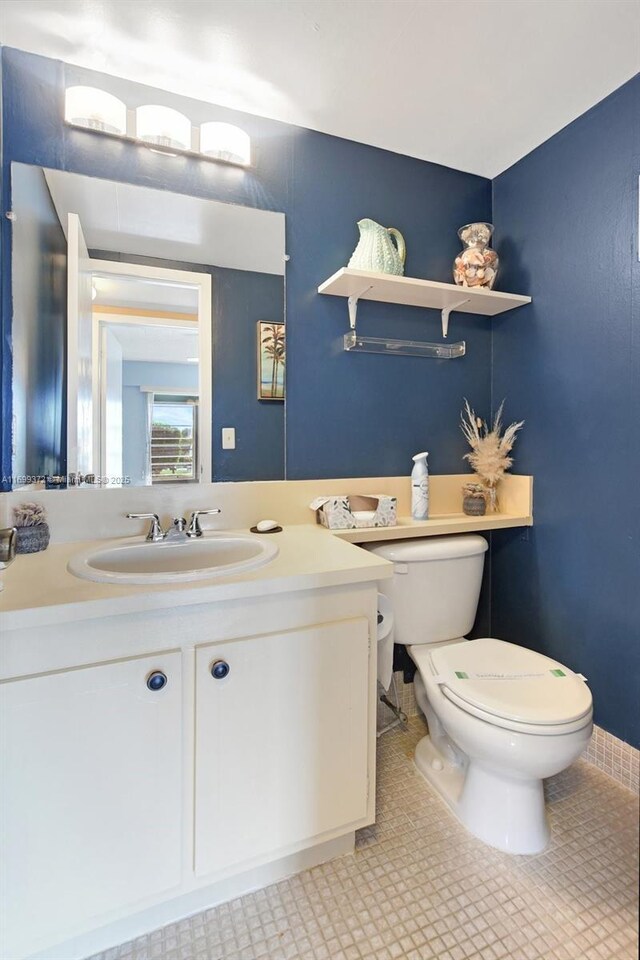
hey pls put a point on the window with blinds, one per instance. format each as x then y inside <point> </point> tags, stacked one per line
<point>174,454</point>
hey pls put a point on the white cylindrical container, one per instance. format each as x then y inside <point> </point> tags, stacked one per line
<point>385,640</point>
<point>420,487</point>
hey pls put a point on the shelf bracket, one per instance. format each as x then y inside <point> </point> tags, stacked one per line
<point>352,304</point>
<point>445,314</point>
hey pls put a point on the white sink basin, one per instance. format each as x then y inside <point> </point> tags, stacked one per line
<point>136,561</point>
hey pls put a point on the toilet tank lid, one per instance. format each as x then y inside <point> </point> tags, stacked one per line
<point>430,548</point>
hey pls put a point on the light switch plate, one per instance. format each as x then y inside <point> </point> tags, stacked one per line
<point>228,438</point>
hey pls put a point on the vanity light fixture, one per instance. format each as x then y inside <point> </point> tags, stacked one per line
<point>224,141</point>
<point>96,110</point>
<point>163,127</point>
<point>160,128</point>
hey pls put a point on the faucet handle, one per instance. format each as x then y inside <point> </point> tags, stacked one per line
<point>194,529</point>
<point>156,532</point>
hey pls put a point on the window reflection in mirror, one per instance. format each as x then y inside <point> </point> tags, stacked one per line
<point>172,437</point>
<point>134,331</point>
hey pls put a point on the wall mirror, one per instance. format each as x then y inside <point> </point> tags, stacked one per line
<point>147,335</point>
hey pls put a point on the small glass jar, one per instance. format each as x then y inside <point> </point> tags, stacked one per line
<point>473,506</point>
<point>474,500</point>
<point>477,265</point>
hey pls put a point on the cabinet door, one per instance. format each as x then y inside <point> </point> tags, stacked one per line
<point>91,796</point>
<point>281,741</point>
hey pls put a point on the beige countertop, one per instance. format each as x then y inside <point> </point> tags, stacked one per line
<point>39,590</point>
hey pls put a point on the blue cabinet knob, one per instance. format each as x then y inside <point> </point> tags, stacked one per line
<point>219,669</point>
<point>156,680</point>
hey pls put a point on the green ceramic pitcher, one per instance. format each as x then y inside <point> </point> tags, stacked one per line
<point>380,249</point>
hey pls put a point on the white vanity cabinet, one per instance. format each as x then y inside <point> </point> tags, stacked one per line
<point>123,808</point>
<point>281,741</point>
<point>91,796</point>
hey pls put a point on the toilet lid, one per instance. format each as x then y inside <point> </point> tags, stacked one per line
<point>510,682</point>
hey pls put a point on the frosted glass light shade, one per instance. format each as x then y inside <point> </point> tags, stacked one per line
<point>95,109</point>
<point>223,141</point>
<point>163,127</point>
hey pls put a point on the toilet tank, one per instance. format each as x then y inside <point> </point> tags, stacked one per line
<point>435,587</point>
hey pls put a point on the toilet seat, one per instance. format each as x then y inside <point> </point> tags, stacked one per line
<point>507,685</point>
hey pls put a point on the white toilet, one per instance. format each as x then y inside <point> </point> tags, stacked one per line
<point>501,717</point>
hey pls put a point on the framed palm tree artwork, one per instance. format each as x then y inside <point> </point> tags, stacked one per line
<point>271,360</point>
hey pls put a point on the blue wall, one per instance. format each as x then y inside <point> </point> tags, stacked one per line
<point>363,415</point>
<point>567,227</point>
<point>240,299</point>
<point>345,415</point>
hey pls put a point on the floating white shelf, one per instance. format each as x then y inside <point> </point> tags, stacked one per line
<point>358,285</point>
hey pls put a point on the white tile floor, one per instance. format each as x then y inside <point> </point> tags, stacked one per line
<point>420,888</point>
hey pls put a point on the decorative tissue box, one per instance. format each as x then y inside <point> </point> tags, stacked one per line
<point>349,513</point>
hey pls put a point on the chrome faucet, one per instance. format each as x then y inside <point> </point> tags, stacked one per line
<point>194,529</point>
<point>179,530</point>
<point>156,533</point>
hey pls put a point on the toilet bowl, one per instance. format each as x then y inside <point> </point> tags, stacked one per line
<point>501,717</point>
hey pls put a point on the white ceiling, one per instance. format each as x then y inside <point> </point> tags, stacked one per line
<point>472,84</point>
<point>142,294</point>
<point>156,344</point>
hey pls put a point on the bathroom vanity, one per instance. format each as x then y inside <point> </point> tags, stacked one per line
<point>184,744</point>
<point>169,746</point>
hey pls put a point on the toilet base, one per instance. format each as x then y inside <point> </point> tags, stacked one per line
<point>505,813</point>
<point>444,777</point>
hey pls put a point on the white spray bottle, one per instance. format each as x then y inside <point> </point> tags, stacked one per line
<point>420,487</point>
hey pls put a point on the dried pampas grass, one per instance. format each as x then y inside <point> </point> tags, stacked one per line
<point>490,448</point>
